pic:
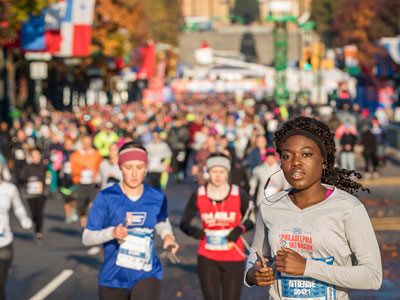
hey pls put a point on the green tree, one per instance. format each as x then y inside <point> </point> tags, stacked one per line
<point>247,10</point>
<point>323,13</point>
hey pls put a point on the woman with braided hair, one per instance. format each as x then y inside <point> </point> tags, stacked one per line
<point>312,232</point>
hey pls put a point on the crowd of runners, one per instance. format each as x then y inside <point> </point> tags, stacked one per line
<point>111,165</point>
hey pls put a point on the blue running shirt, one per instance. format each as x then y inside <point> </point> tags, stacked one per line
<point>111,208</point>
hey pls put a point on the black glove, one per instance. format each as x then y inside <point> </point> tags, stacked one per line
<point>234,234</point>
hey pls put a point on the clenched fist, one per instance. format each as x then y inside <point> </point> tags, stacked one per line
<point>290,262</point>
<point>120,232</point>
<point>260,276</point>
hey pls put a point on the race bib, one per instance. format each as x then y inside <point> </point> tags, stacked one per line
<point>86,177</point>
<point>67,167</point>
<point>295,287</point>
<point>154,162</point>
<point>20,154</point>
<point>53,157</point>
<point>217,239</point>
<point>34,188</point>
<point>136,252</point>
<point>181,156</point>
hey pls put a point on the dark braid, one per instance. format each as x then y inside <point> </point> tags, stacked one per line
<point>331,175</point>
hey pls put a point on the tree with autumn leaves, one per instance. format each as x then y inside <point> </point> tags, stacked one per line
<point>358,22</point>
<point>121,25</point>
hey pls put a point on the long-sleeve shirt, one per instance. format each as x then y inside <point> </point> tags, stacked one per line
<point>327,234</point>
<point>10,198</point>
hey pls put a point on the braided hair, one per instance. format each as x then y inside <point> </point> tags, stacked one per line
<point>320,133</point>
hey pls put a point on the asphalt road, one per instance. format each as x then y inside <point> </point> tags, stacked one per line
<point>36,265</point>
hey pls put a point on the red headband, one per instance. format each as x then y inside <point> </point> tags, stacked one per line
<point>132,154</point>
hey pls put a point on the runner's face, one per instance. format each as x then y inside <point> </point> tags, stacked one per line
<point>218,176</point>
<point>302,162</point>
<point>133,173</point>
<point>36,157</point>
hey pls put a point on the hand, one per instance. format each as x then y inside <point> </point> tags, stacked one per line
<point>260,276</point>
<point>26,224</point>
<point>234,234</point>
<point>120,232</point>
<point>169,241</point>
<point>290,262</point>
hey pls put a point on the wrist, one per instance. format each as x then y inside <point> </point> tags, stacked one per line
<point>169,236</point>
<point>249,277</point>
<point>243,228</point>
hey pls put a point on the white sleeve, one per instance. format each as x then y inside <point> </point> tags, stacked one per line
<point>6,174</point>
<point>253,184</point>
<point>164,228</point>
<point>367,274</point>
<point>97,237</point>
<point>19,210</point>
<point>260,243</point>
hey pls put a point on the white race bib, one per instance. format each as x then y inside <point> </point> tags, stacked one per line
<point>86,177</point>
<point>297,287</point>
<point>136,252</point>
<point>19,154</point>
<point>34,188</point>
<point>67,167</point>
<point>217,239</point>
<point>154,162</point>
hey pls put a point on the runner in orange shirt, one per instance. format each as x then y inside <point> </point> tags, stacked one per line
<point>85,164</point>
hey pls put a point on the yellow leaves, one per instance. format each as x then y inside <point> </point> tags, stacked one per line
<point>118,26</point>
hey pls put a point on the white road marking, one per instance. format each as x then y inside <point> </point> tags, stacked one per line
<point>52,285</point>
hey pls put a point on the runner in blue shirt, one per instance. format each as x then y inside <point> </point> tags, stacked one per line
<point>124,218</point>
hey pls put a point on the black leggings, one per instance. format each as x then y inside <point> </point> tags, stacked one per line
<point>6,256</point>
<point>146,289</point>
<point>85,194</point>
<point>36,205</point>
<point>216,274</point>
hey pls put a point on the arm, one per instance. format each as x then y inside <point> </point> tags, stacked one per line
<point>163,227</point>
<point>367,274</point>
<point>97,237</point>
<point>189,214</point>
<point>260,243</point>
<point>253,184</point>
<point>96,231</point>
<point>19,210</point>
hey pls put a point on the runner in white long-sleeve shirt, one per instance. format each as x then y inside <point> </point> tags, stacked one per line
<point>311,231</point>
<point>10,198</point>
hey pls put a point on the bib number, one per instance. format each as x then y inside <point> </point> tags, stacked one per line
<point>295,287</point>
<point>217,239</point>
<point>19,154</point>
<point>136,252</point>
<point>86,177</point>
<point>67,168</point>
<point>34,188</point>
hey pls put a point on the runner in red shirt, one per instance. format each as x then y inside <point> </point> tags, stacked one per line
<point>221,207</point>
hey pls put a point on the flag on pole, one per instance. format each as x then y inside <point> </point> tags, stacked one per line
<point>42,32</point>
<point>76,28</point>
